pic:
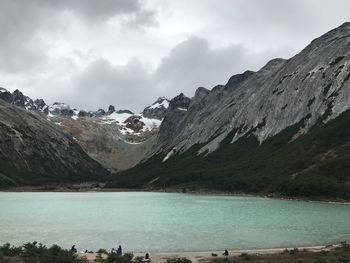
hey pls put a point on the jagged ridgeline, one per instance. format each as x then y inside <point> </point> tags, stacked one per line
<point>34,151</point>
<point>283,129</point>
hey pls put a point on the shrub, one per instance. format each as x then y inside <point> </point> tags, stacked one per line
<point>137,259</point>
<point>178,260</point>
<point>37,253</point>
<point>32,250</point>
<point>294,251</point>
<point>8,250</point>
<point>102,251</point>
<point>114,258</point>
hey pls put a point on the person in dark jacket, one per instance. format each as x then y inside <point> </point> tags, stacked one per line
<point>73,249</point>
<point>119,250</point>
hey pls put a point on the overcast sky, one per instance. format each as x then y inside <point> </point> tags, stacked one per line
<point>92,53</point>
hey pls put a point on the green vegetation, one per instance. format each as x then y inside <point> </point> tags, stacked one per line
<point>335,255</point>
<point>178,260</point>
<point>37,253</point>
<point>312,165</point>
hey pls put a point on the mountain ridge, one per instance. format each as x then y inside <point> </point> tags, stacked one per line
<point>280,129</point>
<point>225,134</point>
<point>34,151</point>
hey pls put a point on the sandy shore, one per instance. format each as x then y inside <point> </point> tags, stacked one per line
<point>204,256</point>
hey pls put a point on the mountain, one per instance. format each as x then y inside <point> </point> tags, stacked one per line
<point>35,151</point>
<point>282,130</point>
<point>274,130</point>
<point>157,110</point>
<point>118,139</point>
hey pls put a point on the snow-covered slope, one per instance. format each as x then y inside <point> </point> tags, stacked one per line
<point>135,127</point>
<point>118,139</point>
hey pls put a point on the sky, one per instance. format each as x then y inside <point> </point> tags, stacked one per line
<point>127,53</point>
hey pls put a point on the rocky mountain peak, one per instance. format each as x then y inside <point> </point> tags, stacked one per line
<point>111,109</point>
<point>5,95</point>
<point>180,102</point>
<point>201,92</point>
<point>157,110</point>
<point>61,109</point>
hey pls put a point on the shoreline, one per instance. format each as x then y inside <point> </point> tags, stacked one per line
<point>203,256</point>
<point>64,189</point>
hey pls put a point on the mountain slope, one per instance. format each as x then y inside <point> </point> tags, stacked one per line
<point>279,95</point>
<point>315,164</point>
<point>275,130</point>
<point>35,151</point>
<point>118,139</point>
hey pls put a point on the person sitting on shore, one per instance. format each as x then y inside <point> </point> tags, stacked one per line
<point>146,259</point>
<point>113,251</point>
<point>119,250</point>
<point>226,253</point>
<point>73,249</point>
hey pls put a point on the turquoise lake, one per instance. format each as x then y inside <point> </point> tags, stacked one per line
<point>145,221</point>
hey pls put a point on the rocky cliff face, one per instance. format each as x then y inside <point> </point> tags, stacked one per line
<point>106,142</point>
<point>313,85</point>
<point>157,110</point>
<point>36,151</point>
<point>286,103</point>
<point>118,139</point>
<point>17,98</point>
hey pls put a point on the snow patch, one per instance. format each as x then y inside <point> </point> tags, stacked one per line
<point>116,117</point>
<point>150,124</point>
<point>169,155</point>
<point>59,106</point>
<point>182,109</point>
<point>164,104</point>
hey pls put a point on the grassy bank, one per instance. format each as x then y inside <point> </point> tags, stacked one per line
<point>38,253</point>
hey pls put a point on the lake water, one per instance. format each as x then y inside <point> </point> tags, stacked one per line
<point>144,221</point>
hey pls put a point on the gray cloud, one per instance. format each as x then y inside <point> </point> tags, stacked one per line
<point>140,20</point>
<point>102,83</point>
<point>80,51</point>
<point>96,10</point>
<point>25,25</point>
<point>189,65</point>
<point>194,63</point>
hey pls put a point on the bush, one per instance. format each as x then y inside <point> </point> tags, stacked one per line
<point>33,250</point>
<point>138,259</point>
<point>114,258</point>
<point>102,251</point>
<point>8,250</point>
<point>178,260</point>
<point>38,253</point>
